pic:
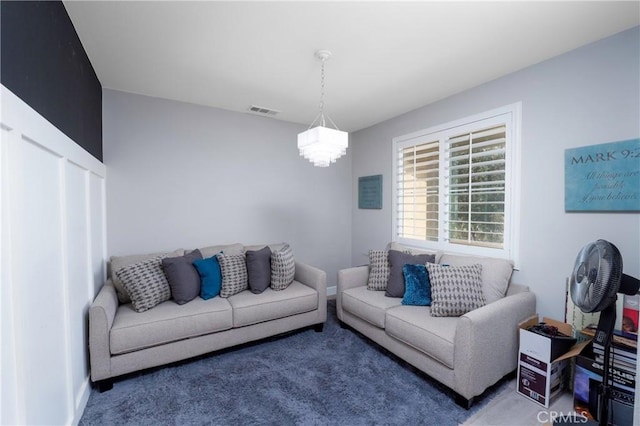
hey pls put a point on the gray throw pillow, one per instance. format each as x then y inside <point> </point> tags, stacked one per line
<point>259,269</point>
<point>283,268</point>
<point>183,277</point>
<point>397,259</point>
<point>455,290</point>
<point>234,273</point>
<point>145,283</point>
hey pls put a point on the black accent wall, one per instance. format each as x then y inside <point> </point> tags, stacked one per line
<point>43,62</point>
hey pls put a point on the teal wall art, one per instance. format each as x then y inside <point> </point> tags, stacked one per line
<point>604,177</point>
<point>370,192</point>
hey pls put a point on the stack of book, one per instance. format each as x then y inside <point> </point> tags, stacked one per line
<point>624,349</point>
<point>622,373</point>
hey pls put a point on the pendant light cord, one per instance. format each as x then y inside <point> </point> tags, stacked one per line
<point>322,93</point>
<point>322,119</point>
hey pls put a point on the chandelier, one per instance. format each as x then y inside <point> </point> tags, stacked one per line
<point>322,145</point>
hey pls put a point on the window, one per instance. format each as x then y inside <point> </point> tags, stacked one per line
<point>456,185</point>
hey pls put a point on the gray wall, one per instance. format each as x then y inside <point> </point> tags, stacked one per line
<point>187,176</point>
<point>585,97</point>
<point>181,175</point>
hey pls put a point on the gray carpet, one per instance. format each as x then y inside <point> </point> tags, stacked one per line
<point>335,377</point>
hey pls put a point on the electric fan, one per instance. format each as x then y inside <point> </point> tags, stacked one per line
<point>596,280</point>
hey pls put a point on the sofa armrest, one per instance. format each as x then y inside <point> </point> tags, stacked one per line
<point>311,276</point>
<point>101,315</point>
<point>486,342</point>
<point>350,278</point>
<point>516,288</point>
<point>316,279</point>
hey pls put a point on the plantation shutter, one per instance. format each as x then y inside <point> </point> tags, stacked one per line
<point>475,186</point>
<point>418,191</point>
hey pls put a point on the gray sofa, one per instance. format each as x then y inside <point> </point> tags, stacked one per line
<point>122,340</point>
<point>468,353</point>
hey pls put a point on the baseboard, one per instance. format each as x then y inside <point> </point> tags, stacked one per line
<point>331,291</point>
<point>85,391</point>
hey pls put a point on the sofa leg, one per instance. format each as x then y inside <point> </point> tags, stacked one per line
<point>318,328</point>
<point>343,325</point>
<point>105,385</point>
<point>464,402</point>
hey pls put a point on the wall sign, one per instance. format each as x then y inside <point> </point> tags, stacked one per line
<point>603,177</point>
<point>370,192</point>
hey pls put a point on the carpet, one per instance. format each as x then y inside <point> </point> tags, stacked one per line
<point>336,377</point>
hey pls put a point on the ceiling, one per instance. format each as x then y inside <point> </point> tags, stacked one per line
<point>388,57</point>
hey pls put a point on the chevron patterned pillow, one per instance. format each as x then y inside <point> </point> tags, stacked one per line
<point>378,270</point>
<point>145,283</point>
<point>455,290</point>
<point>234,274</point>
<point>283,268</point>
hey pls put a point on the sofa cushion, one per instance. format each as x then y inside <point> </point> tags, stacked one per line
<point>283,268</point>
<point>233,268</point>
<point>250,308</point>
<point>496,273</point>
<point>183,277</point>
<point>209,251</point>
<point>259,269</point>
<point>415,326</point>
<point>210,277</point>
<point>455,290</point>
<point>273,247</point>
<point>370,306</point>
<point>417,287</point>
<point>145,283</point>
<point>168,322</point>
<point>397,259</point>
<point>408,249</point>
<point>118,262</point>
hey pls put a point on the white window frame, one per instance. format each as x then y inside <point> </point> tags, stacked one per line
<point>510,115</point>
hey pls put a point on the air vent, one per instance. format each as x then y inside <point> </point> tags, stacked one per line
<point>263,111</point>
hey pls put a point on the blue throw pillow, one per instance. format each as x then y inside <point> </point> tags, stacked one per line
<point>417,286</point>
<point>210,277</point>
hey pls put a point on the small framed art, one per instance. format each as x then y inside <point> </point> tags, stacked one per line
<point>370,192</point>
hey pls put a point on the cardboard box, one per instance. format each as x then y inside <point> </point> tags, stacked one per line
<point>541,374</point>
<point>587,379</point>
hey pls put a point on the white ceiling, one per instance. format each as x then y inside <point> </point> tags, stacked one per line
<point>388,57</point>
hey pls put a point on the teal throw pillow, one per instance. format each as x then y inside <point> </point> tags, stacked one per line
<point>210,277</point>
<point>417,285</point>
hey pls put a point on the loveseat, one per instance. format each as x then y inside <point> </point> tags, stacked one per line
<point>122,340</point>
<point>467,353</point>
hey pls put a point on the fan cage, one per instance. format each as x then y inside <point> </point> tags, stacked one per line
<point>596,276</point>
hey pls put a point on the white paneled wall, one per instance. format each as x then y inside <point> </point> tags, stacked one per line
<point>53,251</point>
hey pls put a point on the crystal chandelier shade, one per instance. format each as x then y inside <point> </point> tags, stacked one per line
<point>322,145</point>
